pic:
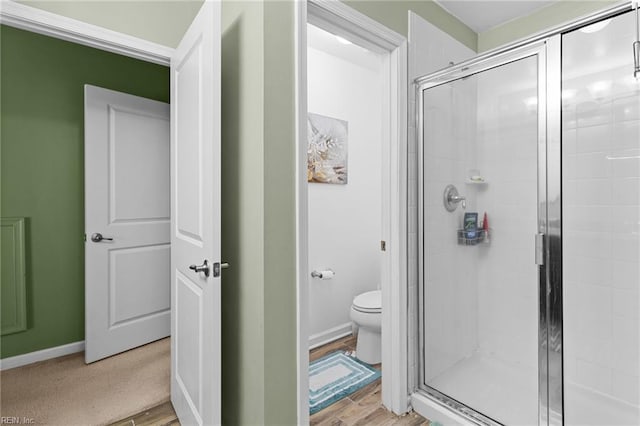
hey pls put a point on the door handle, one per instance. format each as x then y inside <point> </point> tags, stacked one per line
<point>97,237</point>
<point>201,268</point>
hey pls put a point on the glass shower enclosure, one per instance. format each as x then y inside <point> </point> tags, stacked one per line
<point>529,198</point>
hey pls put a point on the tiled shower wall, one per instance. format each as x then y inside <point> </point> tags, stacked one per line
<point>507,157</point>
<point>601,213</point>
<point>450,269</point>
<point>430,49</point>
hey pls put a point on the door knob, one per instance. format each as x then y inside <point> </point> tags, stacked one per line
<point>201,268</point>
<point>97,237</point>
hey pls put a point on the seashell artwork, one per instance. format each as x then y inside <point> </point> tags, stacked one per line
<point>327,151</point>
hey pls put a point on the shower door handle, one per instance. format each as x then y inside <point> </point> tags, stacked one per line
<point>540,249</point>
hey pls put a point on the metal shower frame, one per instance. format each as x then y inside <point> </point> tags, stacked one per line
<point>546,46</point>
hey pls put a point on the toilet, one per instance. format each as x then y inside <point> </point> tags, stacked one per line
<point>366,314</point>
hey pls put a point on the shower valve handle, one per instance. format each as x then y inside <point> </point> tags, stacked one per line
<point>451,198</point>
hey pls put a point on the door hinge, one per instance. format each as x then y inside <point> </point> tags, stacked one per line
<point>383,245</point>
<point>540,249</point>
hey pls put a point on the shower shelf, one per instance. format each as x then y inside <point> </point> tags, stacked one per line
<point>473,238</point>
<point>475,182</point>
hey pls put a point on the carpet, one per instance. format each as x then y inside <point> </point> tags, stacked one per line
<point>66,391</point>
<point>336,376</point>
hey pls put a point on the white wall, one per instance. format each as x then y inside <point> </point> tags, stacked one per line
<point>345,220</point>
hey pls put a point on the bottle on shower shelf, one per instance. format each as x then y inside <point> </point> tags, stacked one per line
<point>485,227</point>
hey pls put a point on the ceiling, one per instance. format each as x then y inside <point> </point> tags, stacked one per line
<point>324,41</point>
<point>481,15</point>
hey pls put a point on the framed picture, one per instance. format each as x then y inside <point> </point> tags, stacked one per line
<point>327,152</point>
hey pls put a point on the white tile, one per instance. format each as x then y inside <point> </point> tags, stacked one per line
<point>591,218</point>
<point>588,244</point>
<point>569,141</point>
<point>626,109</point>
<point>593,376</point>
<point>625,387</point>
<point>586,270</point>
<point>569,166</point>
<point>625,163</point>
<point>569,191</point>
<point>593,165</point>
<point>593,138</point>
<point>626,274</point>
<point>626,191</point>
<point>626,135</point>
<point>569,119</point>
<point>626,345</point>
<point>593,192</point>
<point>625,247</point>
<point>593,114</point>
<point>626,220</point>
<point>626,303</point>
<point>570,361</point>
<point>588,310</point>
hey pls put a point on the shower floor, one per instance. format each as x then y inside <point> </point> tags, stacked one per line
<point>492,387</point>
<point>509,394</point>
<point>587,408</point>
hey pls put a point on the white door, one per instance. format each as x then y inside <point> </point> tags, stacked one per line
<point>127,210</point>
<point>195,221</point>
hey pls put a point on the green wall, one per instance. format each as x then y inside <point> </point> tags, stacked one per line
<point>243,332</point>
<point>541,20</point>
<point>258,214</point>
<point>280,207</point>
<point>42,158</point>
<point>165,21</point>
<point>394,14</point>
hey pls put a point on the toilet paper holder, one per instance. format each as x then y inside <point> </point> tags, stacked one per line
<point>322,274</point>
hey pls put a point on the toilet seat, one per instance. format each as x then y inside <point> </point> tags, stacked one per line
<point>369,302</point>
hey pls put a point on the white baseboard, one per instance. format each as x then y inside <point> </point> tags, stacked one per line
<point>330,335</point>
<point>43,355</point>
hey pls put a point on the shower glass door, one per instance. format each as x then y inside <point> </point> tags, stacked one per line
<point>601,222</point>
<point>483,133</point>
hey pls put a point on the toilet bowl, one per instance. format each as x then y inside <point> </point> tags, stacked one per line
<point>366,313</point>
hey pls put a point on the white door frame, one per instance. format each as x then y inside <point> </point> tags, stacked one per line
<point>340,19</point>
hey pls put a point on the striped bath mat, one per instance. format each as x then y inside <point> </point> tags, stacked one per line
<point>336,376</point>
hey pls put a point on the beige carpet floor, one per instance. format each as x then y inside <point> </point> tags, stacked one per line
<point>66,391</point>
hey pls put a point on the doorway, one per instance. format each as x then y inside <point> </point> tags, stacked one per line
<point>341,21</point>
